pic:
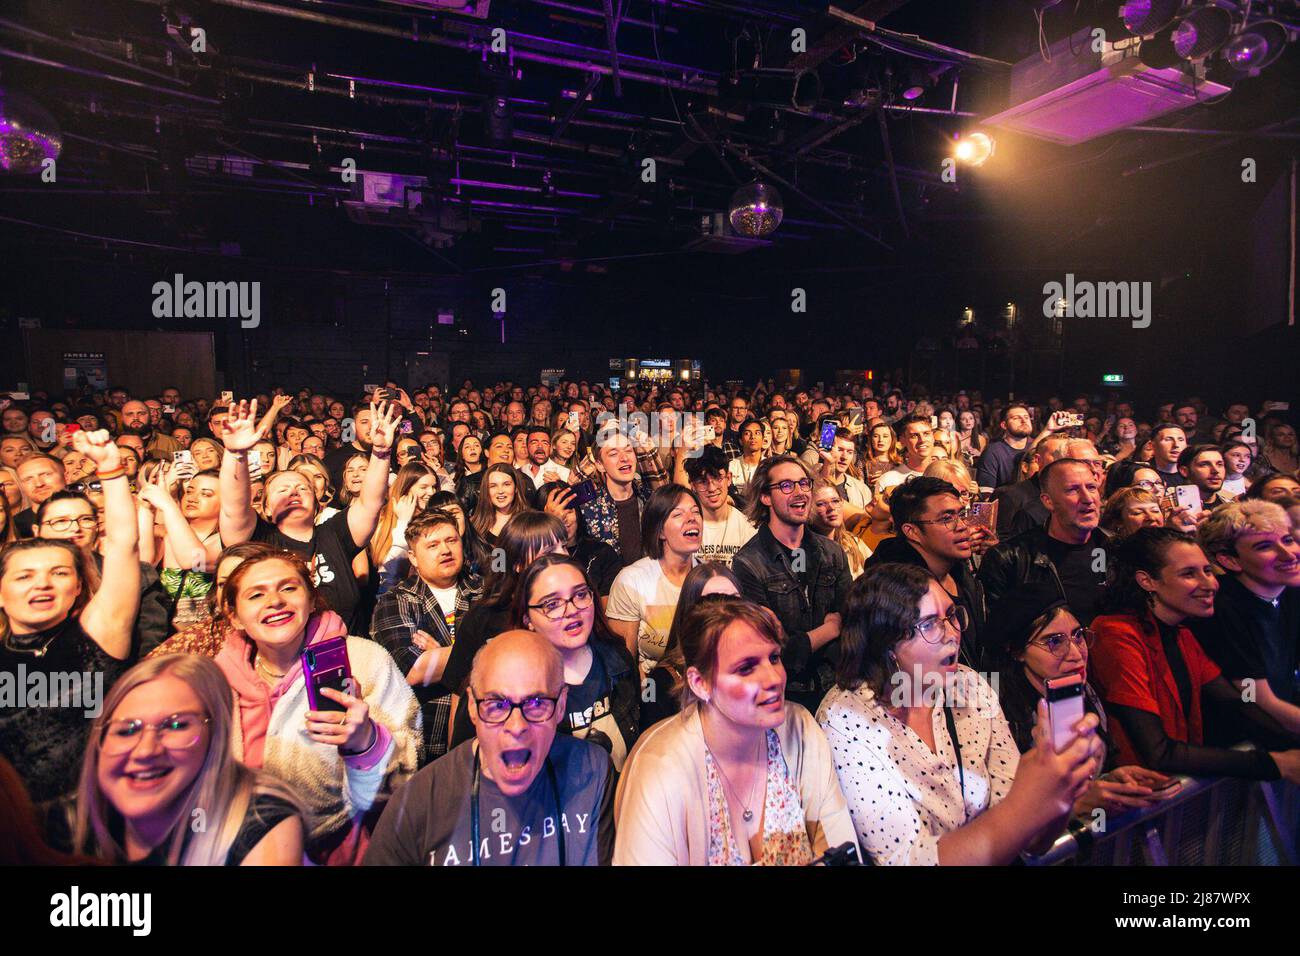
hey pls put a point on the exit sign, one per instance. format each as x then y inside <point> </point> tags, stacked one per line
<point>1114,378</point>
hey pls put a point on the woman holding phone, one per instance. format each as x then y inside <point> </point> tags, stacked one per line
<point>924,754</point>
<point>1155,678</point>
<point>159,761</point>
<point>342,757</point>
<point>1040,640</point>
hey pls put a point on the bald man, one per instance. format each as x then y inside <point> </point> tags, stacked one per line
<point>136,420</point>
<point>1020,506</point>
<point>1068,551</point>
<point>539,799</point>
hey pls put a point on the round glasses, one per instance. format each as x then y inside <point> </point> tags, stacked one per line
<point>497,710</point>
<point>932,629</point>
<point>1059,644</point>
<point>177,732</point>
<point>787,487</point>
<point>949,521</point>
<point>1150,485</point>
<point>556,607</point>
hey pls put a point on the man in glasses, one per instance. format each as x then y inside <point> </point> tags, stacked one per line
<point>1068,551</point>
<point>517,794</point>
<point>802,576</point>
<point>934,532</point>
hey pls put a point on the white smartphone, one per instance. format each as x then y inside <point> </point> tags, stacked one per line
<point>575,422</point>
<point>1064,708</point>
<point>227,398</point>
<point>1188,496</point>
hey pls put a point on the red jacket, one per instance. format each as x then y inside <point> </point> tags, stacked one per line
<point>1131,670</point>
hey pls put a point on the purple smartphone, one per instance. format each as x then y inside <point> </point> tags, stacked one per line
<point>325,664</point>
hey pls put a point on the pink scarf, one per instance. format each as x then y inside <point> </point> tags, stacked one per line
<point>255,699</point>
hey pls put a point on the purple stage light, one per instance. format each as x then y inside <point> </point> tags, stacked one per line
<point>1259,45</point>
<point>1202,32</point>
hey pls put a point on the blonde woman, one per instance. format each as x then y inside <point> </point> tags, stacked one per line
<point>314,470</point>
<point>828,519</point>
<point>159,762</point>
<point>410,493</point>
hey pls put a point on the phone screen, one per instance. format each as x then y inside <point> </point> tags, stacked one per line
<point>827,437</point>
<point>1064,710</point>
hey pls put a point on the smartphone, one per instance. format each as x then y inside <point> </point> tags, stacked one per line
<point>1072,419</point>
<point>370,389</point>
<point>169,409</point>
<point>575,421</point>
<point>1169,784</point>
<point>585,492</point>
<point>710,433</point>
<point>325,664</point>
<point>826,438</point>
<point>1064,708</point>
<point>1188,496</point>
<point>855,417</point>
<point>183,463</point>
<point>984,514</point>
<point>227,398</point>
<point>406,427</point>
<point>70,427</point>
<point>934,421</point>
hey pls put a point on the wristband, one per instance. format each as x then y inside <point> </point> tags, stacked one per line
<point>117,472</point>
<point>237,455</point>
<point>381,455</point>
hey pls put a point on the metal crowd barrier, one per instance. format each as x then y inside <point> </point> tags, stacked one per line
<point>1212,821</point>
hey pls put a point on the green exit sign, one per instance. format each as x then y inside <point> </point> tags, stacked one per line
<point>1114,378</point>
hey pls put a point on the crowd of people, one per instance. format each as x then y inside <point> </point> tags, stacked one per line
<point>563,625</point>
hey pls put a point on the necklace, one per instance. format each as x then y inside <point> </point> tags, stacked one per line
<point>264,670</point>
<point>34,651</point>
<point>748,815</point>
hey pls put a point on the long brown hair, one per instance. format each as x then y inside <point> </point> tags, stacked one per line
<point>407,478</point>
<point>222,791</point>
<point>703,628</point>
<point>484,511</point>
<point>600,625</point>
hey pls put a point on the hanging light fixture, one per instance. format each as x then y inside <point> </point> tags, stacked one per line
<point>28,134</point>
<point>1202,32</point>
<point>1145,17</point>
<point>756,210</point>
<point>1256,46</point>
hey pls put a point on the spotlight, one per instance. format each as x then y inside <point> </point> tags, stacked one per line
<point>756,210</point>
<point>974,149</point>
<point>1144,17</point>
<point>28,134</point>
<point>1202,32</point>
<point>1257,46</point>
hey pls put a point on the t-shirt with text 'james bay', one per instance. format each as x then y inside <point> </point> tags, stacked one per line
<point>427,822</point>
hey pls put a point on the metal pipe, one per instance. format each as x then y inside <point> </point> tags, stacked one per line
<point>574,8</point>
<point>100,75</point>
<point>59,41</point>
<point>893,175</point>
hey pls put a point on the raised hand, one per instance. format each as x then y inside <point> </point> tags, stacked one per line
<point>98,447</point>
<point>154,492</point>
<point>240,431</point>
<point>404,507</point>
<point>385,417</point>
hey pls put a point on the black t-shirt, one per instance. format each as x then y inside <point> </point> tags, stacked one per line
<point>427,822</point>
<point>588,714</point>
<point>601,562</point>
<point>629,529</point>
<point>47,703</point>
<point>329,553</point>
<point>1082,572</point>
<point>1250,637</point>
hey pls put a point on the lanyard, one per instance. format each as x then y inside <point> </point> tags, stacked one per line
<point>474,815</point>
<point>956,749</point>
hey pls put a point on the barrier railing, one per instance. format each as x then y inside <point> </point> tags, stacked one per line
<point>1215,821</point>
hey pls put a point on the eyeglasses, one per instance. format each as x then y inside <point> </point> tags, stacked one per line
<point>177,732</point>
<point>87,487</point>
<point>949,521</point>
<point>1059,644</point>
<point>787,487</point>
<point>555,608</point>
<point>1150,485</point>
<point>932,628</point>
<point>497,710</point>
<point>67,524</point>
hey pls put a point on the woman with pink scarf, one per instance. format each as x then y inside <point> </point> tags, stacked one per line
<point>341,765</point>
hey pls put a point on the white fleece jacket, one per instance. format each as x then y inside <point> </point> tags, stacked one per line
<point>335,791</point>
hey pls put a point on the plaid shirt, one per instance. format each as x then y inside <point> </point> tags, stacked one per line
<point>409,607</point>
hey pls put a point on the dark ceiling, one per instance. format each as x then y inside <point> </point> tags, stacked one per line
<point>238,150</point>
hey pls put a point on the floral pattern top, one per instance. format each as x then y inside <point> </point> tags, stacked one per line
<point>785,834</point>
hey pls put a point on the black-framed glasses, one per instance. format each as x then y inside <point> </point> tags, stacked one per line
<point>177,732</point>
<point>536,709</point>
<point>932,629</point>
<point>556,607</point>
<point>1059,644</point>
<point>949,521</point>
<point>67,524</point>
<point>788,486</point>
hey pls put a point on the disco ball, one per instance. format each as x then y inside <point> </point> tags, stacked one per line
<point>756,210</point>
<point>28,134</point>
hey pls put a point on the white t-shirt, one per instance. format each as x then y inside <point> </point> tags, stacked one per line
<point>540,478</point>
<point>446,600</point>
<point>643,594</point>
<point>896,476</point>
<point>722,539</point>
<point>741,474</point>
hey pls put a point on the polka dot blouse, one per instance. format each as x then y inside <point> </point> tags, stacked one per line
<point>902,796</point>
